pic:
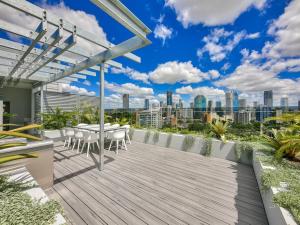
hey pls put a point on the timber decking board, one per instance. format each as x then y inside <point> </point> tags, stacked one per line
<point>154,185</point>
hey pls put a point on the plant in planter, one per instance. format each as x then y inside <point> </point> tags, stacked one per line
<point>155,137</point>
<point>219,129</point>
<point>147,136</point>
<point>57,119</point>
<point>17,133</point>
<point>207,146</point>
<point>188,143</point>
<point>242,147</point>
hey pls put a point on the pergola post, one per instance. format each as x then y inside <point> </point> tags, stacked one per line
<point>42,103</point>
<point>101,117</point>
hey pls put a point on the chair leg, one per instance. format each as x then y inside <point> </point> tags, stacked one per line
<point>82,147</point>
<point>117,149</point>
<point>69,142</point>
<point>88,149</point>
<point>78,145</point>
<point>65,142</point>
<point>98,145</point>
<point>128,138</point>
<point>74,145</point>
<point>124,142</point>
<point>109,145</point>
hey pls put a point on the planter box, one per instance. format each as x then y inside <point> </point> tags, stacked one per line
<point>56,135</point>
<point>276,215</point>
<point>40,168</point>
<point>223,150</point>
<point>36,192</point>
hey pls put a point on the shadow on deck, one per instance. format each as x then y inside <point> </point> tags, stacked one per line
<point>154,185</point>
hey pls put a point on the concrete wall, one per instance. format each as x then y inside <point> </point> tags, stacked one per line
<point>20,103</point>
<point>196,144</point>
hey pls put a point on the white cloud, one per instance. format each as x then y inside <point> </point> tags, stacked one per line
<point>219,43</point>
<point>79,18</point>
<point>162,32</point>
<point>132,74</point>
<point>207,91</point>
<point>129,88</point>
<point>76,90</point>
<point>87,83</point>
<point>173,71</point>
<point>211,12</point>
<point>286,30</point>
<point>214,74</point>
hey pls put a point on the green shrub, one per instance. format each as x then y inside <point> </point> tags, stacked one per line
<point>188,143</point>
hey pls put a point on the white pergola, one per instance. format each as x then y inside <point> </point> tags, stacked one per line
<point>55,55</point>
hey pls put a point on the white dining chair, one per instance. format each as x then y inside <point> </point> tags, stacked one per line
<point>69,135</point>
<point>118,136</point>
<point>89,138</point>
<point>78,137</point>
<point>127,129</point>
<point>81,124</point>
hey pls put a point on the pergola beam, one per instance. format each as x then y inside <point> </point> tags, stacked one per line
<point>118,50</point>
<point>37,12</point>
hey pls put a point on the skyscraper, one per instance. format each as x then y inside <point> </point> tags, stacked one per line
<point>199,106</point>
<point>229,103</point>
<point>242,104</point>
<point>235,101</point>
<point>299,105</point>
<point>284,103</point>
<point>218,108</point>
<point>268,98</point>
<point>192,105</point>
<point>147,103</point>
<point>125,101</point>
<point>180,104</point>
<point>255,104</point>
<point>169,98</point>
<point>210,106</point>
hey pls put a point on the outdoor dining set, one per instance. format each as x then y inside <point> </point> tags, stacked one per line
<point>84,135</point>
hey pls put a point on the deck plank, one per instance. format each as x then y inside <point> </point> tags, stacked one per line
<point>155,185</point>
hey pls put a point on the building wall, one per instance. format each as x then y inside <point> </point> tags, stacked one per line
<point>20,103</point>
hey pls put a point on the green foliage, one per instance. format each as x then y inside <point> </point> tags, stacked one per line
<point>17,207</point>
<point>242,148</point>
<point>207,146</point>
<point>219,129</point>
<point>57,119</point>
<point>169,139</point>
<point>155,137</point>
<point>147,136</point>
<point>285,172</point>
<point>188,142</point>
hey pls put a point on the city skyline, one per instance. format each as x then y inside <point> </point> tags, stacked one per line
<point>209,53</point>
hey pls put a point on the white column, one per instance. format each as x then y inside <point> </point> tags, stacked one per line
<point>42,102</point>
<point>101,115</point>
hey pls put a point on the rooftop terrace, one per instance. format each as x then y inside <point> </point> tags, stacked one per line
<point>154,185</point>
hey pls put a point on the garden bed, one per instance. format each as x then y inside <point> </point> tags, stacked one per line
<point>276,215</point>
<point>24,202</point>
<point>233,151</point>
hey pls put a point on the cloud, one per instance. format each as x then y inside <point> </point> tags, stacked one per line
<point>129,88</point>
<point>132,74</point>
<point>286,30</point>
<point>211,12</point>
<point>116,101</point>
<point>214,74</point>
<point>87,83</point>
<point>79,18</point>
<point>163,97</point>
<point>76,90</point>
<point>219,43</point>
<point>207,91</point>
<point>162,32</point>
<point>173,71</point>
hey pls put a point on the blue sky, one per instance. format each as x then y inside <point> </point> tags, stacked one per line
<point>200,47</point>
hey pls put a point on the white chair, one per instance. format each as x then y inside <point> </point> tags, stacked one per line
<point>89,138</point>
<point>106,124</point>
<point>118,136</point>
<point>69,135</point>
<point>81,124</point>
<point>78,137</point>
<point>127,129</point>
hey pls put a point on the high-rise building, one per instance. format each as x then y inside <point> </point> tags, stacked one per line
<point>161,104</point>
<point>242,104</point>
<point>192,105</point>
<point>210,106</point>
<point>169,98</point>
<point>268,98</point>
<point>147,104</point>
<point>180,104</point>
<point>125,101</point>
<point>255,104</point>
<point>262,112</point>
<point>284,103</point>
<point>149,118</point>
<point>199,106</point>
<point>229,103</point>
<point>299,105</point>
<point>219,109</point>
<point>235,100</point>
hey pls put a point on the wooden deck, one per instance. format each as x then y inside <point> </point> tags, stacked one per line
<point>154,185</point>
